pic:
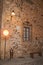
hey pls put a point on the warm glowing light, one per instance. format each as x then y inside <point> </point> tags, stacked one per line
<point>13,13</point>
<point>6,32</point>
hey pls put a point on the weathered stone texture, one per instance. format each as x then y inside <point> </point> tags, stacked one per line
<point>1,9</point>
<point>25,10</point>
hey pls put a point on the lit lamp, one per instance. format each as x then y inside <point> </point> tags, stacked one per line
<point>5,33</point>
<point>13,13</point>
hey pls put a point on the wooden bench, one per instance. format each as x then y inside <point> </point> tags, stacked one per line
<point>32,54</point>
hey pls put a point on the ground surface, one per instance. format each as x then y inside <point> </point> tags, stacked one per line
<point>37,60</point>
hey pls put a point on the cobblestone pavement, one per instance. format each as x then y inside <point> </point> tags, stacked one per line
<point>37,60</point>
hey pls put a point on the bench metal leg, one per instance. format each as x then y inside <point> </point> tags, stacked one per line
<point>40,54</point>
<point>31,55</point>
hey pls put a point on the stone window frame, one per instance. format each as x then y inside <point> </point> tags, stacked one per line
<point>26,24</point>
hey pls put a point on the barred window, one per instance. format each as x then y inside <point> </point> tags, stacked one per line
<point>26,34</point>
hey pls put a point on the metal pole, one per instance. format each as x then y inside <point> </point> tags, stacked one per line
<point>5,48</point>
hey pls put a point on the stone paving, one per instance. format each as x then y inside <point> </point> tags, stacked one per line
<point>37,60</point>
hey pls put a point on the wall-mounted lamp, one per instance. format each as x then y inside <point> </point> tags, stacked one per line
<point>13,13</point>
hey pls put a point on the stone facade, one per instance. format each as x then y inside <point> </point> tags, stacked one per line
<point>25,10</point>
<point>1,9</point>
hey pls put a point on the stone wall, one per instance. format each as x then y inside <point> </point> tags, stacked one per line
<point>1,9</point>
<point>25,10</point>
